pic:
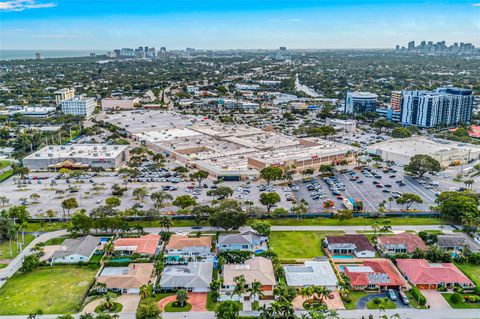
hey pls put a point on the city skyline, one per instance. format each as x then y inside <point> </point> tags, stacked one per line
<point>238,24</point>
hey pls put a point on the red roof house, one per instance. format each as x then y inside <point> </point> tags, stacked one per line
<point>426,275</point>
<point>400,243</point>
<point>144,245</point>
<point>374,274</point>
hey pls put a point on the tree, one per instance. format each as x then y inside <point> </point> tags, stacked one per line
<point>30,263</point>
<point>182,297</point>
<point>401,132</point>
<point>199,176</point>
<point>228,215</point>
<point>221,192</point>
<point>326,131</point>
<point>181,170</point>
<point>261,227</point>
<point>81,222</point>
<point>50,214</point>
<point>300,208</point>
<point>458,206</point>
<point>184,201</point>
<point>201,213</point>
<point>69,204</point>
<point>34,197</point>
<point>159,198</point>
<point>269,199</point>
<point>307,171</point>
<point>325,169</point>
<point>4,201</point>
<point>271,173</point>
<point>227,310</point>
<point>420,164</point>
<point>255,290</point>
<point>166,223</point>
<point>140,193</point>
<point>408,199</point>
<point>113,201</point>
<point>148,309</point>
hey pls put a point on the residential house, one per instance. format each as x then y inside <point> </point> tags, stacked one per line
<point>311,273</point>
<point>255,269</point>
<point>356,245</point>
<point>182,246</point>
<point>378,274</point>
<point>126,279</point>
<point>194,276</point>
<point>457,243</point>
<point>400,243</point>
<point>75,250</point>
<point>248,240</point>
<point>148,245</point>
<point>426,275</point>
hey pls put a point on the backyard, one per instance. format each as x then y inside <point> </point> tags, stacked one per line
<point>53,290</point>
<point>471,270</point>
<point>298,244</point>
<point>5,247</point>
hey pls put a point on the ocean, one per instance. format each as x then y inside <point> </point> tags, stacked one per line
<point>30,54</point>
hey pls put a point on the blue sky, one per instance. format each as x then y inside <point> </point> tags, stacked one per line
<point>221,24</point>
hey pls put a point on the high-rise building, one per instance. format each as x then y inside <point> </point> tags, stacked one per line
<point>79,105</point>
<point>442,107</point>
<point>63,94</point>
<point>38,56</point>
<point>396,100</point>
<point>360,102</point>
<point>283,49</point>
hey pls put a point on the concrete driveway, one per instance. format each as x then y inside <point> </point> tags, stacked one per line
<point>362,302</point>
<point>435,299</point>
<point>129,302</point>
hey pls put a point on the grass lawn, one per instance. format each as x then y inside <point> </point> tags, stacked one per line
<point>5,247</point>
<point>4,164</point>
<point>6,175</point>
<point>413,301</point>
<point>55,241</point>
<point>53,290</point>
<point>461,305</point>
<point>171,307</point>
<point>298,244</point>
<point>117,307</point>
<point>385,302</point>
<point>354,295</point>
<point>211,305</point>
<point>3,266</point>
<point>471,271</point>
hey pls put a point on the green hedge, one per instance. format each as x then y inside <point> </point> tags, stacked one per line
<point>418,296</point>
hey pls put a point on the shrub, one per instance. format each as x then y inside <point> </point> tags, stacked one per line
<point>377,301</point>
<point>458,289</point>
<point>418,296</point>
<point>477,290</point>
<point>456,298</point>
<point>442,288</point>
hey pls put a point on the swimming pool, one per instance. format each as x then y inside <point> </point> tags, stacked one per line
<point>342,256</point>
<point>342,267</point>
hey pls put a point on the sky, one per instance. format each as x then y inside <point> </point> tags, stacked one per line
<point>234,24</point>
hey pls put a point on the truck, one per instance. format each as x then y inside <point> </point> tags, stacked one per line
<point>348,204</point>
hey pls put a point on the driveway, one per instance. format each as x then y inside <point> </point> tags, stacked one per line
<point>362,302</point>
<point>163,302</point>
<point>198,300</point>
<point>435,299</point>
<point>129,302</point>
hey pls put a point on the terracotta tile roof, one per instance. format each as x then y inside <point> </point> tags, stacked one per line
<point>360,241</point>
<point>135,276</point>
<point>420,271</point>
<point>411,241</point>
<point>143,245</point>
<point>256,268</point>
<point>181,241</point>
<point>377,271</point>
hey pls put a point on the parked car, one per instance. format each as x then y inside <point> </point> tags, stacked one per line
<point>391,294</point>
<point>403,297</point>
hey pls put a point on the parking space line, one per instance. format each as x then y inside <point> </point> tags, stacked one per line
<point>360,193</point>
<point>418,189</point>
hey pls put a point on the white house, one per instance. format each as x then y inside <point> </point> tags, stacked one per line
<point>75,250</point>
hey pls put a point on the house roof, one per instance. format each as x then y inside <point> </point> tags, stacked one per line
<point>407,240</point>
<point>245,238</point>
<point>420,271</point>
<point>83,246</point>
<point>143,245</point>
<point>361,242</point>
<point>457,240</point>
<point>255,269</point>
<point>181,241</point>
<point>375,271</point>
<point>192,275</point>
<point>311,273</point>
<point>133,276</point>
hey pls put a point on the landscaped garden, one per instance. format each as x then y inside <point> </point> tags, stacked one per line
<point>354,297</point>
<point>462,301</point>
<point>5,247</point>
<point>381,303</point>
<point>298,244</point>
<point>174,306</point>
<point>53,290</point>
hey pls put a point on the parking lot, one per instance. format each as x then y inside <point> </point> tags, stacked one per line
<point>374,186</point>
<point>91,191</point>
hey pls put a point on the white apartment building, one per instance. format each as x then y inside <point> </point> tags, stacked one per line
<point>79,105</point>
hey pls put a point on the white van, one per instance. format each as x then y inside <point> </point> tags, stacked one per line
<point>434,183</point>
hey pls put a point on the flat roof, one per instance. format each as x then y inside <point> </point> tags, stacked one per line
<point>78,150</point>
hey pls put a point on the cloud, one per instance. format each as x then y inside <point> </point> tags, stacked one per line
<point>476,4</point>
<point>20,5</point>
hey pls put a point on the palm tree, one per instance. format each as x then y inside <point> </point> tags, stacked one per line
<point>256,290</point>
<point>145,291</point>
<point>321,292</point>
<point>375,227</point>
<point>240,284</point>
<point>266,312</point>
<point>182,297</point>
<point>390,200</point>
<point>109,247</point>
<point>166,223</point>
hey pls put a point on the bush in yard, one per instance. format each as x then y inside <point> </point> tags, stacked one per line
<point>477,290</point>
<point>442,288</point>
<point>418,296</point>
<point>456,298</point>
<point>377,301</point>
